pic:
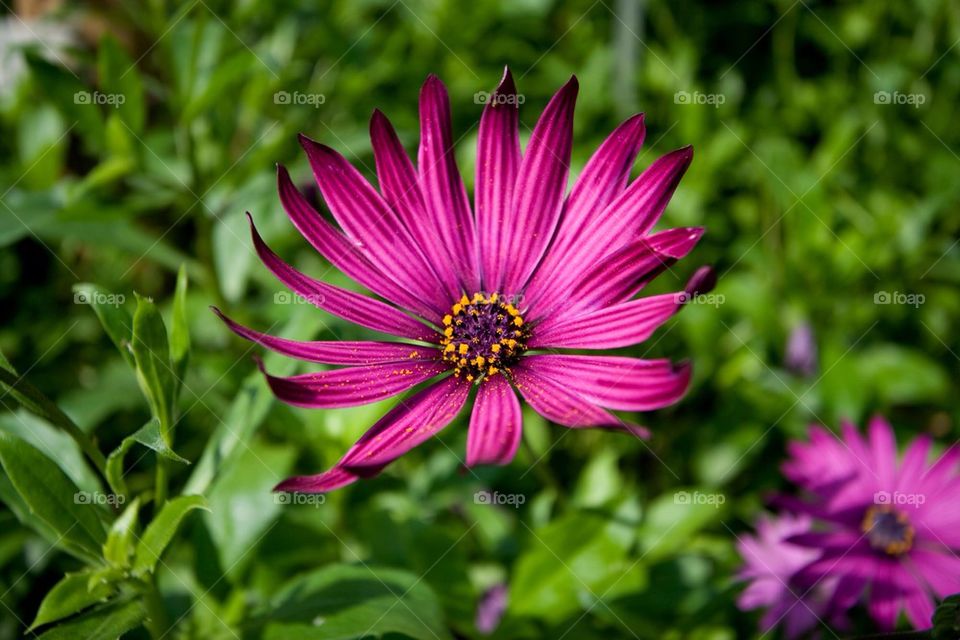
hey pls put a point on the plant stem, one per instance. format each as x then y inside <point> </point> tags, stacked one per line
<point>160,488</point>
<point>157,622</point>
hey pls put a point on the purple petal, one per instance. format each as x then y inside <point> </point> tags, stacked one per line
<point>334,351</point>
<point>401,189</point>
<point>413,421</point>
<point>442,187</point>
<point>352,386</point>
<point>884,449</point>
<point>348,305</point>
<point>498,161</point>
<point>616,382</point>
<point>344,254</point>
<point>628,217</point>
<point>603,178</point>
<point>495,425</point>
<point>621,325</point>
<point>320,483</point>
<point>490,609</point>
<point>541,184</point>
<point>556,401</point>
<point>621,275</point>
<point>370,222</point>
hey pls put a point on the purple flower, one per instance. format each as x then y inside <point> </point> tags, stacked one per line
<point>477,294</point>
<point>801,353</point>
<point>490,609</point>
<point>771,563</point>
<point>888,528</point>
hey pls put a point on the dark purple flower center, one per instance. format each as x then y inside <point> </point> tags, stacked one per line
<point>888,530</point>
<point>482,335</point>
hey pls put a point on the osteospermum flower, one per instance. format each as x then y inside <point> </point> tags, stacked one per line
<point>889,529</point>
<point>477,295</point>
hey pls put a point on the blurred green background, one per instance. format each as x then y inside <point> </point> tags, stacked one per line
<point>822,198</point>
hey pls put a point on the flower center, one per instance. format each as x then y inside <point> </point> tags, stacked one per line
<point>888,530</point>
<point>482,335</point>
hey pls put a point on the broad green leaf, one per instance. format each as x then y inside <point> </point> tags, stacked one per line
<point>52,496</point>
<point>342,602</point>
<point>120,80</point>
<point>570,561</point>
<point>14,501</point>
<point>118,548</point>
<point>673,518</point>
<point>69,596</point>
<point>180,331</point>
<point>241,503</point>
<point>104,623</point>
<point>53,443</point>
<point>152,354</point>
<point>161,531</point>
<point>113,316</point>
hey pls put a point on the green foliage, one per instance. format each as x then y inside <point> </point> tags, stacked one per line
<point>130,155</point>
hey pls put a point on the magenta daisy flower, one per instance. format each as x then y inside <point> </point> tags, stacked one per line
<point>483,297</point>
<point>890,529</point>
<point>771,563</point>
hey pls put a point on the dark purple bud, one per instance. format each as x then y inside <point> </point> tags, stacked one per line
<point>702,281</point>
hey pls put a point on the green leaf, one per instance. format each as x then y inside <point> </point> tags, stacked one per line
<point>149,436</point>
<point>69,596</point>
<point>180,331</point>
<point>120,80</point>
<point>113,316</point>
<point>242,506</point>
<point>118,548</point>
<point>161,531</point>
<point>53,443</point>
<point>104,623</point>
<point>342,602</point>
<point>53,497</point>
<point>570,561</point>
<point>152,354</point>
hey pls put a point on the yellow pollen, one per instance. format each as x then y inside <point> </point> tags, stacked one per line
<point>447,319</point>
<point>463,349</point>
<point>464,300</point>
<point>457,308</point>
<point>495,348</point>
<point>518,321</point>
<point>448,332</point>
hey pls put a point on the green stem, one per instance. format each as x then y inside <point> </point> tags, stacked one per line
<point>157,622</point>
<point>160,488</point>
